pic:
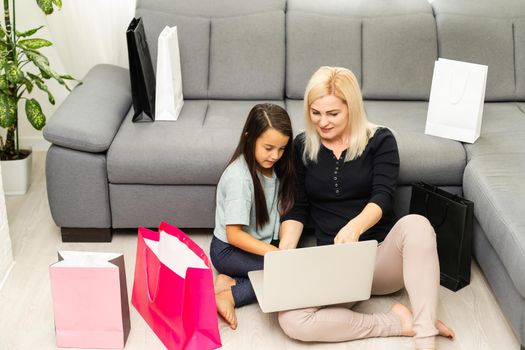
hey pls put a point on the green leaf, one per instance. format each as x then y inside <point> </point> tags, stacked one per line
<point>46,6</point>
<point>34,56</point>
<point>34,44</point>
<point>34,77</point>
<point>42,86</point>
<point>3,82</point>
<point>28,84</point>
<point>14,73</point>
<point>2,32</point>
<point>27,33</point>
<point>58,3</point>
<point>34,114</point>
<point>39,60</point>
<point>7,111</point>
<point>45,75</point>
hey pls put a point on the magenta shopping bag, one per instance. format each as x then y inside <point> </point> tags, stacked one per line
<point>90,300</point>
<point>173,289</point>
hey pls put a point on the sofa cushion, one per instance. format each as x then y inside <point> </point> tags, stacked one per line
<point>391,47</point>
<point>247,57</point>
<point>479,32</point>
<point>194,150</point>
<point>502,131</point>
<point>398,56</point>
<point>481,40</point>
<point>358,9</point>
<point>423,158</point>
<point>313,41</point>
<point>519,42</point>
<point>212,8</point>
<point>494,183</point>
<point>194,43</point>
<point>230,49</point>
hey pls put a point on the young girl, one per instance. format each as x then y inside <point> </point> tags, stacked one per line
<point>254,190</point>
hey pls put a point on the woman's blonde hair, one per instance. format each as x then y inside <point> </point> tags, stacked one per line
<point>342,83</point>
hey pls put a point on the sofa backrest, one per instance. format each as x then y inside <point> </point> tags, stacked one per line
<point>230,49</point>
<point>390,45</point>
<point>486,32</point>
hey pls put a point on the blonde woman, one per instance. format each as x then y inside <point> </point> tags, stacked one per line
<point>346,174</point>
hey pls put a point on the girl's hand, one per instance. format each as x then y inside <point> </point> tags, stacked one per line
<point>272,248</point>
<point>349,233</point>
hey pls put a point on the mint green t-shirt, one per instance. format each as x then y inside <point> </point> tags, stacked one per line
<point>236,202</point>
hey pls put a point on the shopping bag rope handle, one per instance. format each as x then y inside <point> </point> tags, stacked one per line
<point>427,201</point>
<point>454,94</point>
<point>150,298</point>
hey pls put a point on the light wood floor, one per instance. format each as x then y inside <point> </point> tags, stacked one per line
<point>26,318</point>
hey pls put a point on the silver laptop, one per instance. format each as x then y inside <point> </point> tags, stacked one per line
<point>315,276</point>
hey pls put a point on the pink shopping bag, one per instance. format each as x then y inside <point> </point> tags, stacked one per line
<point>173,289</point>
<point>90,300</point>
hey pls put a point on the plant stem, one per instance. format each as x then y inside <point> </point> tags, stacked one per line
<point>12,149</point>
<point>6,18</point>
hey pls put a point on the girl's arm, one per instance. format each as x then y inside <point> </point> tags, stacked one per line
<point>242,240</point>
<point>289,234</point>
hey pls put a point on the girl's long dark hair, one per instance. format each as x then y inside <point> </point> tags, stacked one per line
<point>261,118</point>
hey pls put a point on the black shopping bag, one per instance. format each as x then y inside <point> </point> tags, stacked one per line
<point>452,219</point>
<point>141,72</point>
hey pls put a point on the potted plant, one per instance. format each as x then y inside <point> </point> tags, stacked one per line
<point>22,68</point>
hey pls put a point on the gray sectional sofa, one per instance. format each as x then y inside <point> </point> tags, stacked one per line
<point>105,172</point>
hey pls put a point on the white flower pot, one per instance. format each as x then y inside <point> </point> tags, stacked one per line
<point>16,175</point>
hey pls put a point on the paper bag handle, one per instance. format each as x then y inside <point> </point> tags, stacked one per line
<point>447,204</point>
<point>454,94</point>
<point>150,298</point>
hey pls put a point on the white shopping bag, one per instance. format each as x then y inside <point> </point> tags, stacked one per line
<point>455,108</point>
<point>168,95</point>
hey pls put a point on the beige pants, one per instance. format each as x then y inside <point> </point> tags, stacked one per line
<point>407,257</point>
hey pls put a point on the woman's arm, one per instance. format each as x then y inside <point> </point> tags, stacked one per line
<point>385,171</point>
<point>290,233</point>
<point>242,240</point>
<point>370,216</point>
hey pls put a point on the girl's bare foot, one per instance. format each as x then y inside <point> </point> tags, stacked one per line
<point>444,330</point>
<point>226,307</point>
<point>223,282</point>
<point>405,316</point>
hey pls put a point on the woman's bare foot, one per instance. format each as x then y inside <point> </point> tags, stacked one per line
<point>444,330</point>
<point>226,307</point>
<point>223,282</point>
<point>405,316</point>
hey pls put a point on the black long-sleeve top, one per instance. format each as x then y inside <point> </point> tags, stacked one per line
<point>333,191</point>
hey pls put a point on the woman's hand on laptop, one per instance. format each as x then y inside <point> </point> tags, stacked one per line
<point>368,217</point>
<point>349,233</point>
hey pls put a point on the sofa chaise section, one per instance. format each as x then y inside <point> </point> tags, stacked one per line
<point>485,33</point>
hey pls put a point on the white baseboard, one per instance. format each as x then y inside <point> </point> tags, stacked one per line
<point>35,142</point>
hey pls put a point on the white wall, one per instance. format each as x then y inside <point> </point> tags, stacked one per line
<point>84,33</point>
<point>6,256</point>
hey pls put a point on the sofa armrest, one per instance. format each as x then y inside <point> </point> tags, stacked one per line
<point>91,115</point>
